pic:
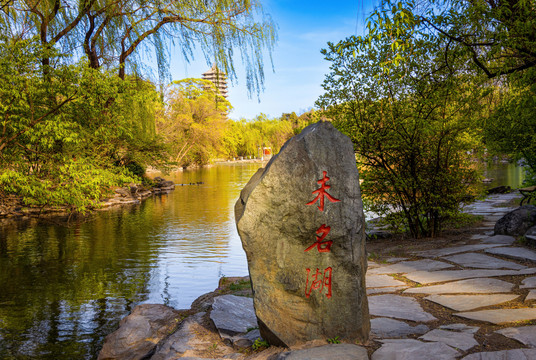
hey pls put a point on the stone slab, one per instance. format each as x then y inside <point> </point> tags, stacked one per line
<point>460,328</point>
<point>473,286</point>
<point>327,352</point>
<point>390,328</point>
<point>454,250</point>
<point>499,239</point>
<point>500,316</point>
<point>430,277</point>
<point>528,283</point>
<point>378,281</point>
<point>233,314</point>
<point>410,349</point>
<point>531,295</point>
<point>516,354</point>
<point>395,259</point>
<point>470,302</point>
<point>399,307</point>
<point>482,261</point>
<point>383,290</point>
<point>458,340</point>
<point>514,253</point>
<point>411,266</point>
<point>524,334</point>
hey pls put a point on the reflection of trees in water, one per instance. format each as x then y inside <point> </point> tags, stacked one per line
<point>65,288</point>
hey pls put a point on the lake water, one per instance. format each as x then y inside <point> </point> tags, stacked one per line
<point>64,288</point>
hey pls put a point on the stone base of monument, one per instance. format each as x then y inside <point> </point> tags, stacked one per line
<point>216,327</point>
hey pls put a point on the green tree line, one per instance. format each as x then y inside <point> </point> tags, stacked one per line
<point>428,89</point>
<point>78,109</point>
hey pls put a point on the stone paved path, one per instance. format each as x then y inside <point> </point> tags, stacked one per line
<point>462,280</point>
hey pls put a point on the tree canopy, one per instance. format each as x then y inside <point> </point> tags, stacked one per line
<point>117,34</point>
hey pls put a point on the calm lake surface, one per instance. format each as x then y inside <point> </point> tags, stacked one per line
<point>64,288</point>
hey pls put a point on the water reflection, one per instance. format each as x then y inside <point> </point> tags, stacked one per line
<point>64,289</point>
<point>507,174</point>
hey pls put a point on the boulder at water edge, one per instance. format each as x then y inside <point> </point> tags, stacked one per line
<point>302,226</point>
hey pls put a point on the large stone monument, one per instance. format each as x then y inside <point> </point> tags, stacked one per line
<point>302,226</point>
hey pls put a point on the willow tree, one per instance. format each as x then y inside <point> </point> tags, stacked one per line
<point>117,33</point>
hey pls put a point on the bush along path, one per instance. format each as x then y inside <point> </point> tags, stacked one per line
<point>472,298</point>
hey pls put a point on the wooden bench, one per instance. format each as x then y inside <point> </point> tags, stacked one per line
<point>527,194</point>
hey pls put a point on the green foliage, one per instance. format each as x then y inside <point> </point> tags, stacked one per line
<point>67,134</point>
<point>412,128</point>
<point>77,183</point>
<point>260,344</point>
<point>116,34</point>
<point>193,122</point>
<point>244,138</point>
<point>334,340</point>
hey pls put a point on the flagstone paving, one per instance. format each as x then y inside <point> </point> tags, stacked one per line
<point>482,261</point>
<point>499,239</point>
<point>524,334</point>
<point>470,292</point>
<point>470,302</point>
<point>430,277</point>
<point>500,316</point>
<point>514,253</point>
<point>459,340</point>
<point>399,307</point>
<point>411,266</point>
<point>390,328</point>
<point>529,283</point>
<point>516,354</point>
<point>480,285</point>
<point>454,250</point>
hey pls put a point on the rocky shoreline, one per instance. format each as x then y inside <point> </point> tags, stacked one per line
<point>489,312</point>
<point>12,206</point>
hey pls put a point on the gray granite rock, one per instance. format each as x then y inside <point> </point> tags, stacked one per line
<point>378,281</point>
<point>500,316</point>
<point>410,349</point>
<point>475,286</point>
<point>458,340</point>
<point>517,222</point>
<point>395,259</point>
<point>233,314</point>
<point>460,328</point>
<point>429,277</point>
<point>470,302</point>
<point>524,334</point>
<point>327,352</point>
<point>400,307</point>
<point>499,239</point>
<point>302,227</point>
<point>383,290</point>
<point>410,266</point>
<point>528,283</point>
<point>516,354</point>
<point>482,261</point>
<point>139,332</point>
<point>454,250</point>
<point>180,341</point>
<point>514,253</point>
<point>531,295</point>
<point>389,328</point>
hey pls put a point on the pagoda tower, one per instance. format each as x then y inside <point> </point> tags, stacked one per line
<point>218,78</point>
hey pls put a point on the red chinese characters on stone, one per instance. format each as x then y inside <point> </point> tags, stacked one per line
<point>318,281</point>
<point>322,192</point>
<point>321,245</point>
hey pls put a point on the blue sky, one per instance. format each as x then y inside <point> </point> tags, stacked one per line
<point>305,27</point>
